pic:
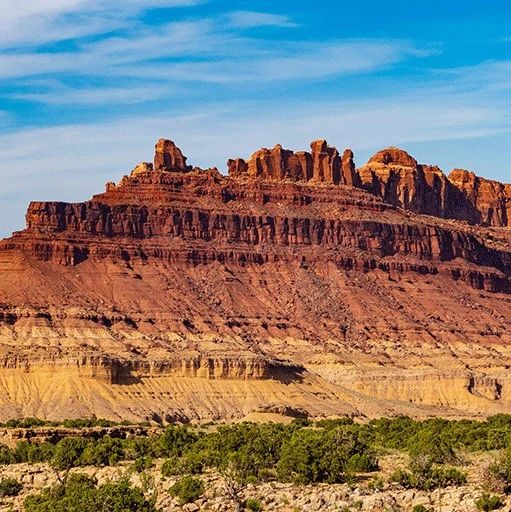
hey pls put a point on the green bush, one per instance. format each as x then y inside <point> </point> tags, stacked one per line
<point>190,464</point>
<point>170,467</point>
<point>428,477</point>
<point>26,423</point>
<point>88,423</point>
<point>175,441</point>
<point>501,467</point>
<point>403,478</point>
<point>252,448</point>
<point>32,452</point>
<point>421,508</point>
<point>434,444</point>
<point>82,494</point>
<point>324,456</point>
<point>6,456</point>
<point>487,502</point>
<point>68,452</point>
<point>140,446</point>
<point>10,487</point>
<point>376,484</point>
<point>143,463</point>
<point>105,452</point>
<point>253,505</point>
<point>187,489</point>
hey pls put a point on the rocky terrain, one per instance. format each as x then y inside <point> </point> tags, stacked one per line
<point>272,496</point>
<point>296,285</point>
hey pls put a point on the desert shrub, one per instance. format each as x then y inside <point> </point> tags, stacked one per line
<point>68,452</point>
<point>32,452</point>
<point>26,423</point>
<point>88,423</point>
<point>403,433</point>
<point>174,441</point>
<point>434,444</point>
<point>82,494</point>
<point>376,484</point>
<point>253,505</point>
<point>501,468</point>
<point>254,449</point>
<point>427,476</point>
<point>143,463</point>
<point>105,452</point>
<point>392,433</point>
<point>487,502</point>
<point>170,467</point>
<point>447,476</point>
<point>10,487</point>
<point>303,458</point>
<point>6,456</point>
<point>140,446</point>
<point>187,489</point>
<point>360,463</point>
<point>402,477</point>
<point>192,463</point>
<point>421,508</point>
<point>324,456</point>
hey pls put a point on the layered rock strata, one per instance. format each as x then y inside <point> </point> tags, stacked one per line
<point>297,283</point>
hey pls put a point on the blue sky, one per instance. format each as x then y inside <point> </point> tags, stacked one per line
<point>87,86</point>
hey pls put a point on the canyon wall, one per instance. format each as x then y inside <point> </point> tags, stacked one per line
<point>297,284</point>
<point>392,175</point>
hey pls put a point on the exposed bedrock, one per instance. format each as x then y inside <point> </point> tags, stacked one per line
<point>297,283</point>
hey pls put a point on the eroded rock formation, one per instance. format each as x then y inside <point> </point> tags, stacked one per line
<point>398,179</point>
<point>298,282</point>
<point>168,157</point>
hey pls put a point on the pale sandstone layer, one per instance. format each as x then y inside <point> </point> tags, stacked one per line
<point>297,285</point>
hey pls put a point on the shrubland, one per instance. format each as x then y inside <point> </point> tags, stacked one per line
<point>302,452</point>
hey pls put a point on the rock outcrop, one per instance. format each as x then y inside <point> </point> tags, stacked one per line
<point>298,282</point>
<point>392,175</point>
<point>398,179</point>
<point>322,164</point>
<point>487,202</point>
<point>169,158</point>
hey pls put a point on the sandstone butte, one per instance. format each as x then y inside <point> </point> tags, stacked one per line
<point>298,284</point>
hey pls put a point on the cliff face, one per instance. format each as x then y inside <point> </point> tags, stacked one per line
<point>398,179</point>
<point>392,175</point>
<point>289,284</point>
<point>323,164</point>
<point>487,202</point>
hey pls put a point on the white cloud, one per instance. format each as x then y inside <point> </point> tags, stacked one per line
<point>163,60</point>
<point>252,19</point>
<point>493,75</point>
<point>211,135</point>
<point>61,95</point>
<point>33,22</point>
<point>211,57</point>
<point>73,162</point>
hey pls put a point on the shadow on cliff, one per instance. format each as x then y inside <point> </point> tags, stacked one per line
<point>285,372</point>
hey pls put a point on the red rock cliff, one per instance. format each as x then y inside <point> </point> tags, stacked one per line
<point>324,286</point>
<point>279,206</point>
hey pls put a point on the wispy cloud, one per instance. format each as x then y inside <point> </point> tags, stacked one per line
<point>60,95</point>
<point>219,88</point>
<point>252,19</point>
<point>211,58</point>
<point>71,162</point>
<point>239,129</point>
<point>493,75</point>
<point>200,51</point>
<point>30,22</point>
